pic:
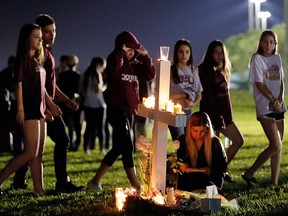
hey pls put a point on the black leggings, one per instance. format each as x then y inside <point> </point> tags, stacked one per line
<point>122,137</point>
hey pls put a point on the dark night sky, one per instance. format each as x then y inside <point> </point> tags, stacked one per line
<point>88,28</point>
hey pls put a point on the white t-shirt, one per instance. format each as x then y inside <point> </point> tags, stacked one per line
<point>189,83</point>
<point>269,71</point>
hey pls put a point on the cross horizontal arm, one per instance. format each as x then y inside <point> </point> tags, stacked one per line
<point>162,116</point>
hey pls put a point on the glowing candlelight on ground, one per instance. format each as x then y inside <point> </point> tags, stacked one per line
<point>120,198</point>
<point>169,106</point>
<point>149,102</point>
<point>159,200</point>
<point>170,195</point>
<point>177,109</point>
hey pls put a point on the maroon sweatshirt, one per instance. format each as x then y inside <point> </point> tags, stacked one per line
<point>122,76</point>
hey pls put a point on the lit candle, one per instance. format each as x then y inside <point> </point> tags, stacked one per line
<point>170,196</point>
<point>149,102</point>
<point>119,198</point>
<point>159,200</point>
<point>169,106</point>
<point>177,109</point>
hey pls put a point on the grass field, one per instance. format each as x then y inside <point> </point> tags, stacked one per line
<point>263,200</point>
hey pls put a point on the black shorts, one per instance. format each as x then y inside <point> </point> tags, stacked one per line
<point>32,112</point>
<point>276,116</point>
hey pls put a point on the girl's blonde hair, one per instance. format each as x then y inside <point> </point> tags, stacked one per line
<point>199,119</point>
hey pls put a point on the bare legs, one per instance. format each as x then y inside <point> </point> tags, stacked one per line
<point>274,132</point>
<point>36,165</point>
<point>34,132</point>
<point>99,175</point>
<point>233,133</point>
<point>130,172</point>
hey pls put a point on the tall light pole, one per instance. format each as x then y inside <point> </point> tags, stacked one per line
<point>250,15</point>
<point>257,4</point>
<point>263,15</point>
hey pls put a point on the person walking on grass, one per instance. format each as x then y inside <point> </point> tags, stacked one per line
<point>56,129</point>
<point>30,77</point>
<point>266,75</point>
<point>128,63</point>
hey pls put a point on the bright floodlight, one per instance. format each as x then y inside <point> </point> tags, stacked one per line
<point>264,14</point>
<point>258,1</point>
<point>257,8</point>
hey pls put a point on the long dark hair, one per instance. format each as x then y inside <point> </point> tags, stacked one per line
<point>91,71</point>
<point>174,71</point>
<point>263,35</point>
<point>208,59</point>
<point>23,45</point>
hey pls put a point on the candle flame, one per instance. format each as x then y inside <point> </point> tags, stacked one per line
<point>149,102</point>
<point>120,198</point>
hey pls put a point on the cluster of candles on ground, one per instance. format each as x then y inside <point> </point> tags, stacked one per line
<point>155,195</point>
<point>169,105</point>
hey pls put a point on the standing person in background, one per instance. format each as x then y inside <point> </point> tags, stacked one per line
<point>5,104</point>
<point>68,82</point>
<point>185,85</point>
<point>128,63</point>
<point>62,66</point>
<point>94,105</point>
<point>30,97</point>
<point>266,75</point>
<point>215,73</point>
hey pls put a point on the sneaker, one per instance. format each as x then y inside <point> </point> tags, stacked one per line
<point>18,185</point>
<point>250,182</point>
<point>103,152</point>
<point>67,187</point>
<point>87,152</point>
<point>92,186</point>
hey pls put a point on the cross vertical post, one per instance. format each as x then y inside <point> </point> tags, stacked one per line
<point>160,127</point>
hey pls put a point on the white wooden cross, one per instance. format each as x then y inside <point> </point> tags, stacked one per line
<point>160,128</point>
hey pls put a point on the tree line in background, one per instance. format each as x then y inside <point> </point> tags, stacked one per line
<point>242,46</point>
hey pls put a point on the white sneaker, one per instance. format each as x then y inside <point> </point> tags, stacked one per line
<point>92,186</point>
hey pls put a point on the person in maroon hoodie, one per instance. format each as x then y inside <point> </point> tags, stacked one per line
<point>128,63</point>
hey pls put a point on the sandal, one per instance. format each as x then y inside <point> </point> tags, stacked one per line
<point>250,182</point>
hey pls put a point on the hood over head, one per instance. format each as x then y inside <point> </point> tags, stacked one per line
<point>128,39</point>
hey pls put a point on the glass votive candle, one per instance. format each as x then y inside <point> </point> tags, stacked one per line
<point>177,109</point>
<point>164,52</point>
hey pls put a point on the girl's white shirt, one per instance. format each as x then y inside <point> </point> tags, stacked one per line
<point>269,71</point>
